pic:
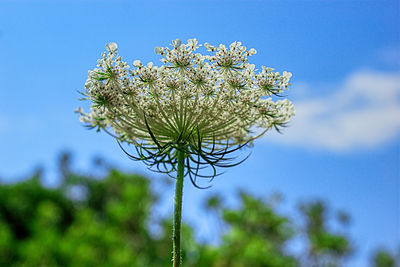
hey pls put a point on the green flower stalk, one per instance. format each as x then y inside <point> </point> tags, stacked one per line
<point>189,114</point>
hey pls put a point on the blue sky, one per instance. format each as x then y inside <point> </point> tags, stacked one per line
<point>343,145</point>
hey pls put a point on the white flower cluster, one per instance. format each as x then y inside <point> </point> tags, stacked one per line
<point>218,98</point>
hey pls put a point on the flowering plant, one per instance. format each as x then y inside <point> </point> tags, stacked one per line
<point>189,113</point>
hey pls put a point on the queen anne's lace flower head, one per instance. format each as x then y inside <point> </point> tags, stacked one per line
<point>208,104</point>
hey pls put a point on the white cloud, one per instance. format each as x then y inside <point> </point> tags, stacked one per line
<point>363,111</point>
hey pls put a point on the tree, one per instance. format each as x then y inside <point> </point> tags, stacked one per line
<point>325,247</point>
<point>105,221</point>
<point>257,235</point>
<point>384,258</point>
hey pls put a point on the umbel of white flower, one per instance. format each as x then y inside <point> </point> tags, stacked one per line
<point>208,104</point>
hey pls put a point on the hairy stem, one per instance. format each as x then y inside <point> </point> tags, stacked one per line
<point>178,208</point>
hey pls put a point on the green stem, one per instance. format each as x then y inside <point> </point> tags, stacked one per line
<point>178,208</point>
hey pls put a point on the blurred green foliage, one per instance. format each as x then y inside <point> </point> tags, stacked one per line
<point>383,258</point>
<point>105,222</point>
